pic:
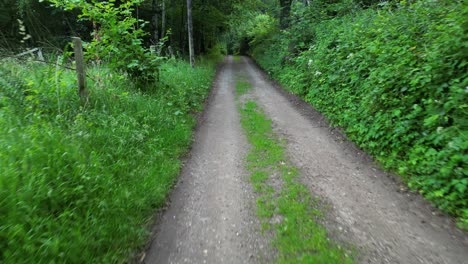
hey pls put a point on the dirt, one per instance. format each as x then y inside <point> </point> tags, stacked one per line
<point>211,215</point>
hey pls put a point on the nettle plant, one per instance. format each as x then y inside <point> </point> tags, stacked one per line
<point>117,38</point>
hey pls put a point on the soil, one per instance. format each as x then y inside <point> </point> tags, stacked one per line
<point>211,215</point>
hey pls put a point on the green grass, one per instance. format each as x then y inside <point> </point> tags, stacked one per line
<point>298,237</point>
<point>81,184</point>
<point>242,86</point>
<point>236,58</point>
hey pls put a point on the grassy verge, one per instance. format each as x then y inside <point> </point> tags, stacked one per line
<point>287,209</point>
<point>79,185</point>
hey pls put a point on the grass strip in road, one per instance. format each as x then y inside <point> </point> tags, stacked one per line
<point>242,86</point>
<point>288,210</point>
<point>236,58</point>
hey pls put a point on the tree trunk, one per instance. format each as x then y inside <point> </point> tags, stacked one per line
<point>285,6</point>
<point>155,22</point>
<point>182,26</point>
<point>190,32</point>
<point>163,22</point>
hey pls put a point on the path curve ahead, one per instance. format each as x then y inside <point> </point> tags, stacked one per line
<point>211,218</point>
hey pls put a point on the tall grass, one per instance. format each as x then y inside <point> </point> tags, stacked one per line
<point>79,184</point>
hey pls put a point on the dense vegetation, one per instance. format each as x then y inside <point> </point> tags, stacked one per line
<point>80,183</point>
<point>81,178</point>
<point>392,76</point>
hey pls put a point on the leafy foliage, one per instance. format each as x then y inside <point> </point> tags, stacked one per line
<point>394,77</point>
<point>118,39</point>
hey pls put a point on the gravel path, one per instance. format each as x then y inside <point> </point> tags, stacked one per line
<point>211,217</point>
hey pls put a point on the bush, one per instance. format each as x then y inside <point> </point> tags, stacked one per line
<point>396,81</point>
<point>117,39</point>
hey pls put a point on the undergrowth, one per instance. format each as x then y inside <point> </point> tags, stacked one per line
<point>79,184</point>
<point>290,212</point>
<point>394,77</point>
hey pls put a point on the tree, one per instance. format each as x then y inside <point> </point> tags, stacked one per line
<point>155,20</point>
<point>54,25</point>
<point>285,10</point>
<point>190,32</point>
<point>163,22</point>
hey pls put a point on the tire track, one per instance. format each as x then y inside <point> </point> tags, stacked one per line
<point>211,217</point>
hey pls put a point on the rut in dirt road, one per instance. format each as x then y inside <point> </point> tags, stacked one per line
<point>387,226</point>
<point>211,218</point>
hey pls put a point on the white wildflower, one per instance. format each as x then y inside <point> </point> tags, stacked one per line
<point>21,27</point>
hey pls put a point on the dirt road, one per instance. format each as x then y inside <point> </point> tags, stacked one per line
<point>211,218</point>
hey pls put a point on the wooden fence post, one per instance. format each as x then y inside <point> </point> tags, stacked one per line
<point>80,68</point>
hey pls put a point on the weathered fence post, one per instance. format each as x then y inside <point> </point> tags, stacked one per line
<point>80,69</point>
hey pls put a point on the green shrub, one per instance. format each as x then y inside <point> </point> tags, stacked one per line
<point>396,81</point>
<point>80,185</point>
<point>118,39</point>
